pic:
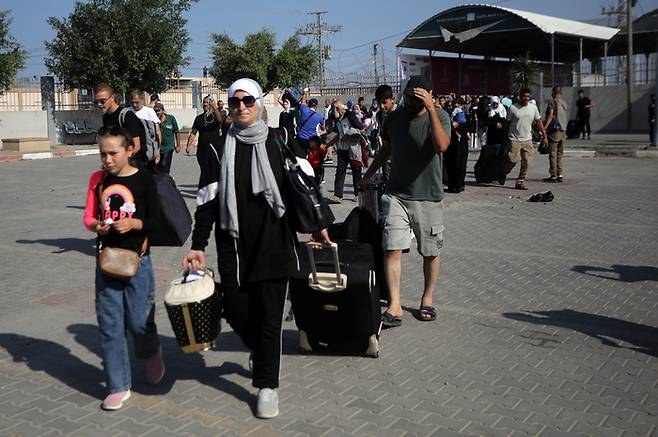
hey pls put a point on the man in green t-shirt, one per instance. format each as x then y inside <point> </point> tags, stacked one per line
<point>170,142</point>
<point>413,137</point>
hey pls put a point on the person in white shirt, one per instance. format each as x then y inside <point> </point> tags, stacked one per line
<point>521,116</point>
<point>145,112</point>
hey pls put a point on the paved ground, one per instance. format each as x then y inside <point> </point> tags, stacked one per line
<point>548,323</point>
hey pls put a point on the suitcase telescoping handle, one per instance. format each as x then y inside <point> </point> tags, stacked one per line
<point>321,281</point>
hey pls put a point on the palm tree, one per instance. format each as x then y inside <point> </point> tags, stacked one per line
<point>524,72</point>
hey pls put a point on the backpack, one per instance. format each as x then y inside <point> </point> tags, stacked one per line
<point>151,148</point>
<point>176,224</point>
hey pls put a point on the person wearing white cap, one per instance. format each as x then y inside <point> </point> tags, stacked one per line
<point>240,191</point>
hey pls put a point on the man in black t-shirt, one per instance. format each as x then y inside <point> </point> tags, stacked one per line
<point>105,99</point>
<point>584,104</point>
<point>207,125</point>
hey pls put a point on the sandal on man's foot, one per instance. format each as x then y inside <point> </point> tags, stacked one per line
<point>427,314</point>
<point>390,320</point>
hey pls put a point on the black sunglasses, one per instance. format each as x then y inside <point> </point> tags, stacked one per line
<point>101,101</point>
<point>234,102</point>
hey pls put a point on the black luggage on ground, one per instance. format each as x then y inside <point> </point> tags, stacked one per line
<point>360,226</point>
<point>490,165</point>
<point>573,129</point>
<point>337,316</point>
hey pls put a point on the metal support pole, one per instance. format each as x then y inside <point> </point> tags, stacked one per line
<point>655,127</point>
<point>553,59</point>
<point>196,97</point>
<point>580,62</point>
<point>629,66</point>
<point>605,63</point>
<point>459,75</point>
<point>48,105</point>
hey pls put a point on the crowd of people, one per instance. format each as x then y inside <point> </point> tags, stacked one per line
<point>420,143</point>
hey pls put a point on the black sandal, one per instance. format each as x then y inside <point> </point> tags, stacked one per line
<point>390,320</point>
<point>427,314</point>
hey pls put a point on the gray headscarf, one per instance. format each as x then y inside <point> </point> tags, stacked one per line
<point>262,177</point>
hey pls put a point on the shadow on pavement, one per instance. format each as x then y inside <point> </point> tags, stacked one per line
<point>606,329</point>
<point>624,273</point>
<point>180,366</point>
<point>85,246</point>
<point>57,361</point>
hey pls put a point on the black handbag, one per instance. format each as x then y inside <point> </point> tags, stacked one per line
<point>176,223</point>
<point>307,210</point>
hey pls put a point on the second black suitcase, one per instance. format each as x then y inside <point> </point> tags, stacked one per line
<point>337,308</point>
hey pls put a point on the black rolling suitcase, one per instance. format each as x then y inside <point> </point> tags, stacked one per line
<point>360,226</point>
<point>335,300</point>
<point>490,165</point>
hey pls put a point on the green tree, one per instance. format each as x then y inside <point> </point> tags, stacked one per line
<point>12,55</point>
<point>524,72</point>
<point>125,43</point>
<point>292,64</point>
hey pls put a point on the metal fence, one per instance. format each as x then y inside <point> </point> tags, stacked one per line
<point>24,95</point>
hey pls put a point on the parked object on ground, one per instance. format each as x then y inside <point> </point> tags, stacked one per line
<point>546,196</point>
<point>335,300</point>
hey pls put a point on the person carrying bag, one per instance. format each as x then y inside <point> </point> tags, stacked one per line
<point>242,193</point>
<point>122,208</point>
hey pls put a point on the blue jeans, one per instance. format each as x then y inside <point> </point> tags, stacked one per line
<point>122,306</point>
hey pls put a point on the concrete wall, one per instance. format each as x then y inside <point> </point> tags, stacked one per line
<point>609,111</point>
<point>14,124</point>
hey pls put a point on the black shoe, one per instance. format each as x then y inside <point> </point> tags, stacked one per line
<point>558,179</point>
<point>550,180</point>
<point>502,180</point>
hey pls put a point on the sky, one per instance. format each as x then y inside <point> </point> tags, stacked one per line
<point>363,24</point>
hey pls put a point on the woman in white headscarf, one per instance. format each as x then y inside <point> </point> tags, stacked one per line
<point>240,191</point>
<point>496,122</point>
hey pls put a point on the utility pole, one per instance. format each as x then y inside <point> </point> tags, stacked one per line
<point>383,65</point>
<point>317,30</point>
<point>374,62</point>
<point>623,10</point>
<point>629,64</point>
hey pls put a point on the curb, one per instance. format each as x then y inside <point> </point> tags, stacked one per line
<point>48,155</point>
<point>581,153</point>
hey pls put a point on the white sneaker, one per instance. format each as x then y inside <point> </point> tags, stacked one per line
<point>268,404</point>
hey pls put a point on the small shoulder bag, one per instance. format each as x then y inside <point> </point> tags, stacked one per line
<point>116,262</point>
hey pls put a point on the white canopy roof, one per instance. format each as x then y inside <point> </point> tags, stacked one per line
<point>552,25</point>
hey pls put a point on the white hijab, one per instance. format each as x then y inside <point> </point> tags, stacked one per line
<point>262,177</point>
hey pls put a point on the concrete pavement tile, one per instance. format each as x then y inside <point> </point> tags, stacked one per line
<point>382,421</point>
<point>341,423</point>
<point>307,428</point>
<point>8,409</point>
<point>443,432</point>
<point>596,431</point>
<point>370,429</point>
<point>133,428</point>
<point>24,429</point>
<point>96,431</point>
<point>6,422</point>
<point>36,417</point>
<point>373,407</point>
<point>81,399</point>
<point>552,432</point>
<point>65,426</point>
<point>413,427</point>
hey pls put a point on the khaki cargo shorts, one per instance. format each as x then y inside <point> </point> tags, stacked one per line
<point>404,218</point>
